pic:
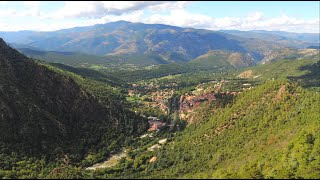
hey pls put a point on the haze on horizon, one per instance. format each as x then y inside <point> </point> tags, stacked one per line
<point>294,16</point>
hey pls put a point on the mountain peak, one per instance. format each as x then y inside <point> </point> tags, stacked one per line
<point>120,22</point>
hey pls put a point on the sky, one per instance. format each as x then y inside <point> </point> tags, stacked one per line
<point>292,16</point>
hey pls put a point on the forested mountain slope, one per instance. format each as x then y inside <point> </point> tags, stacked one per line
<point>305,71</point>
<point>43,112</point>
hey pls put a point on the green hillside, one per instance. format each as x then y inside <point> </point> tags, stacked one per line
<point>224,59</point>
<point>271,131</point>
<point>51,117</point>
<point>88,60</point>
<point>304,71</point>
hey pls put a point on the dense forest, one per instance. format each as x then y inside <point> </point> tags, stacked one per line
<point>271,131</point>
<point>56,118</point>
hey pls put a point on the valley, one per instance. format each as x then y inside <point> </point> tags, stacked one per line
<point>134,100</point>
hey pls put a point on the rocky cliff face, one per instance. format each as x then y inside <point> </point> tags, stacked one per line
<point>44,112</point>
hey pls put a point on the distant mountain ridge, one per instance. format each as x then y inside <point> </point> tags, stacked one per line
<point>288,39</point>
<point>157,43</point>
<point>172,44</point>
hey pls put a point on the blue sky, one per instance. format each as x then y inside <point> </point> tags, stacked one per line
<point>303,9</point>
<point>294,16</point>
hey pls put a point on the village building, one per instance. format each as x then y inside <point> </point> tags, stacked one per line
<point>155,125</point>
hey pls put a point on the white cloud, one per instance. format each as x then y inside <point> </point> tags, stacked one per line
<point>252,21</point>
<point>169,6</point>
<point>32,3</point>
<point>3,2</point>
<point>284,23</point>
<point>39,26</point>
<point>180,17</point>
<point>97,12</point>
<point>256,16</point>
<point>7,12</point>
<point>30,8</point>
<point>226,22</point>
<point>134,16</point>
<point>98,9</point>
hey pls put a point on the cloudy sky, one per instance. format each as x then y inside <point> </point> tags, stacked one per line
<point>292,16</point>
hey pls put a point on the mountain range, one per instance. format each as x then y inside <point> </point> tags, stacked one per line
<point>288,39</point>
<point>158,43</point>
